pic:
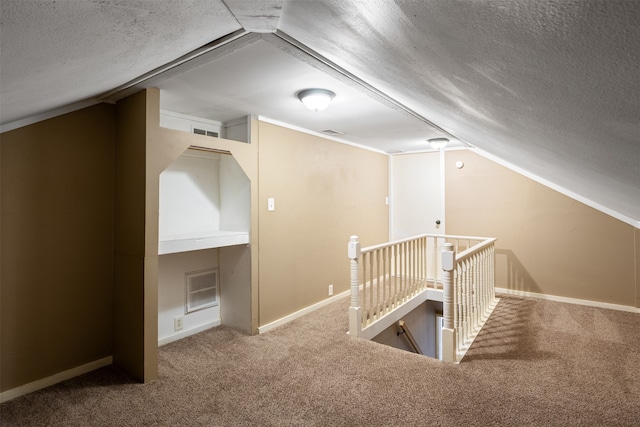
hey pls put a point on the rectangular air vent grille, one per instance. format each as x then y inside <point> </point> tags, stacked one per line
<point>205,132</point>
<point>202,290</point>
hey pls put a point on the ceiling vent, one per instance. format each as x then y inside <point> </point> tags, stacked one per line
<point>331,132</point>
<point>394,151</point>
<point>206,132</point>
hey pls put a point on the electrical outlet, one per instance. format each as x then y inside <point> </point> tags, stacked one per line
<point>330,290</point>
<point>177,323</point>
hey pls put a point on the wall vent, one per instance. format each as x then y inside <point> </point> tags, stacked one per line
<point>331,132</point>
<point>205,132</point>
<point>202,290</point>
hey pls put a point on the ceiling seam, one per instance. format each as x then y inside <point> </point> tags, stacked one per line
<point>370,88</point>
<point>117,93</point>
<point>232,14</point>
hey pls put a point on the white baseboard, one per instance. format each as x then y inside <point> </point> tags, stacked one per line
<point>588,303</point>
<point>265,328</point>
<point>5,396</point>
<point>188,332</point>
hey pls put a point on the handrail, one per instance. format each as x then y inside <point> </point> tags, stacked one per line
<point>407,333</point>
<point>469,296</point>
<point>462,256</point>
<point>389,280</point>
<point>408,239</point>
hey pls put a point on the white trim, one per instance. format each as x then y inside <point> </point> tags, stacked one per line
<point>189,118</point>
<point>286,319</point>
<point>392,198</point>
<point>617,215</point>
<point>319,134</point>
<point>189,332</point>
<point>429,150</point>
<point>5,396</point>
<point>443,181</point>
<point>567,300</point>
<point>49,114</point>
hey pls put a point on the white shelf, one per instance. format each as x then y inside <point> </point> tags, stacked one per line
<point>216,239</point>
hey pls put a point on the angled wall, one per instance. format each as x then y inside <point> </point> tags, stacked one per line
<point>57,245</point>
<point>547,243</point>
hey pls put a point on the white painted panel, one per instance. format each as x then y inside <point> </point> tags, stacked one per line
<point>235,196</point>
<point>416,195</point>
<point>237,130</point>
<point>185,123</point>
<point>217,240</point>
<point>189,198</point>
<point>235,287</point>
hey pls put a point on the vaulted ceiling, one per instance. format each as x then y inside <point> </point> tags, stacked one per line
<point>550,86</point>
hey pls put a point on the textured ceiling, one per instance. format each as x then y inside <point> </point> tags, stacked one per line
<point>240,88</point>
<point>59,52</point>
<point>552,87</point>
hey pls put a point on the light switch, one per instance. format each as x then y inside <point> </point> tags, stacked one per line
<point>271,204</point>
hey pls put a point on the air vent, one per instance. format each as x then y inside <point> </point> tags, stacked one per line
<point>202,290</point>
<point>331,132</point>
<point>394,151</point>
<point>205,132</point>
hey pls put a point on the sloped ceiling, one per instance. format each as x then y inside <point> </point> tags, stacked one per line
<point>552,87</point>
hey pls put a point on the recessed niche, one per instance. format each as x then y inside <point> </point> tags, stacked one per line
<point>204,203</point>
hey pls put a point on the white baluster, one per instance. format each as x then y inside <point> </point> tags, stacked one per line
<point>435,269</point>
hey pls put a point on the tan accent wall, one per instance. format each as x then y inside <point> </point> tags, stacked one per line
<point>135,291</point>
<point>548,243</point>
<point>57,245</point>
<point>324,192</point>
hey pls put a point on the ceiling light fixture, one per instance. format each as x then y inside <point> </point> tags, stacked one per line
<point>316,99</point>
<point>438,143</point>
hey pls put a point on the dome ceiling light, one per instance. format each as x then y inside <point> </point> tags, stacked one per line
<point>438,143</point>
<point>316,99</point>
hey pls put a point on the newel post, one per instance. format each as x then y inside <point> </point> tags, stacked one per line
<point>355,312</point>
<point>449,351</point>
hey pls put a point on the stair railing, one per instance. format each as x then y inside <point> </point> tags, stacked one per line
<point>389,280</point>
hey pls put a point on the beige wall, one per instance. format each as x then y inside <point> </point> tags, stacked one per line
<point>547,243</point>
<point>59,216</point>
<point>57,244</point>
<point>324,192</point>
<point>132,323</point>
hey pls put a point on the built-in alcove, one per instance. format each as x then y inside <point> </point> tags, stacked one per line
<point>204,203</point>
<point>204,224</point>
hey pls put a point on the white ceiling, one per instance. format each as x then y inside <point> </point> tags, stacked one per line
<point>552,87</point>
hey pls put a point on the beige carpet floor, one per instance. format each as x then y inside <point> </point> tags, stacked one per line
<point>535,363</point>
